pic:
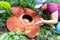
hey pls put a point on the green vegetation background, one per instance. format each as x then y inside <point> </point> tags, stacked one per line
<point>46,30</point>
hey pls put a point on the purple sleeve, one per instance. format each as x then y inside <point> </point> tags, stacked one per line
<point>52,8</point>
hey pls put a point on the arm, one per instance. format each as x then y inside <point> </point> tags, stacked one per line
<point>54,18</point>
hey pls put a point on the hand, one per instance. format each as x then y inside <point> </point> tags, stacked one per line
<point>53,26</point>
<point>40,22</point>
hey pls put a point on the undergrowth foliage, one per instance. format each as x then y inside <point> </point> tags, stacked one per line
<point>5,12</point>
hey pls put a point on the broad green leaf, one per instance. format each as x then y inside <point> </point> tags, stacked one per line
<point>6,5</point>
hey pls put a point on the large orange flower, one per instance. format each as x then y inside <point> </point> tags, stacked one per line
<point>24,20</point>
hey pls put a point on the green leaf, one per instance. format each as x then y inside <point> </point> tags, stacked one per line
<point>48,33</point>
<point>13,2</point>
<point>2,11</point>
<point>23,37</point>
<point>10,38</point>
<point>7,37</point>
<point>11,33</point>
<point>54,1</point>
<point>16,37</point>
<point>3,36</point>
<point>27,3</point>
<point>23,3</point>
<point>7,6</point>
